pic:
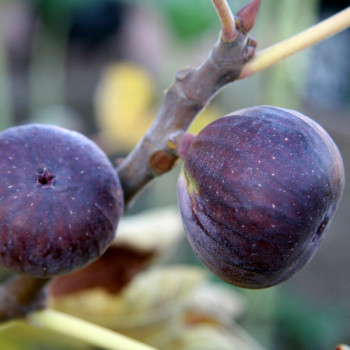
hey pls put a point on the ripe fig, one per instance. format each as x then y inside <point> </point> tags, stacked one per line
<point>258,190</point>
<point>60,200</point>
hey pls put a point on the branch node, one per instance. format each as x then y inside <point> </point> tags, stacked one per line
<point>161,161</point>
<point>183,73</point>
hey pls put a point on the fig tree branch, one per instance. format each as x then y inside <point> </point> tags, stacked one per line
<point>191,91</point>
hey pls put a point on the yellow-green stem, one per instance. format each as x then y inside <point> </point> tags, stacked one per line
<point>229,33</point>
<point>273,54</point>
<point>85,331</point>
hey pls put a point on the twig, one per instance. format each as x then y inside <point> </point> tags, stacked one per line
<point>276,53</point>
<point>228,26</point>
<point>85,331</point>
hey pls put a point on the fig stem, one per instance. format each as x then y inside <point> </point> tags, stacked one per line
<point>229,32</point>
<point>278,52</point>
<point>184,143</point>
<point>87,332</point>
<point>21,295</point>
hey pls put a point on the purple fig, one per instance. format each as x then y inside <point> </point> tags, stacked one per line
<point>60,200</point>
<point>258,190</point>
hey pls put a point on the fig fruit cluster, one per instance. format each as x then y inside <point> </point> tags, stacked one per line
<point>60,200</point>
<point>258,190</point>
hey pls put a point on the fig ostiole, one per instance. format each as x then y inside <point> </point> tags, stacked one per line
<point>60,200</point>
<point>258,190</point>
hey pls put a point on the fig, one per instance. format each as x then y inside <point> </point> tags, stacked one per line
<point>60,200</point>
<point>258,190</point>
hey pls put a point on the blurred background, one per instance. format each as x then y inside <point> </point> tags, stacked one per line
<point>101,66</point>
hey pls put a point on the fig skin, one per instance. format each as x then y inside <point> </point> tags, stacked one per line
<point>60,200</point>
<point>258,189</point>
